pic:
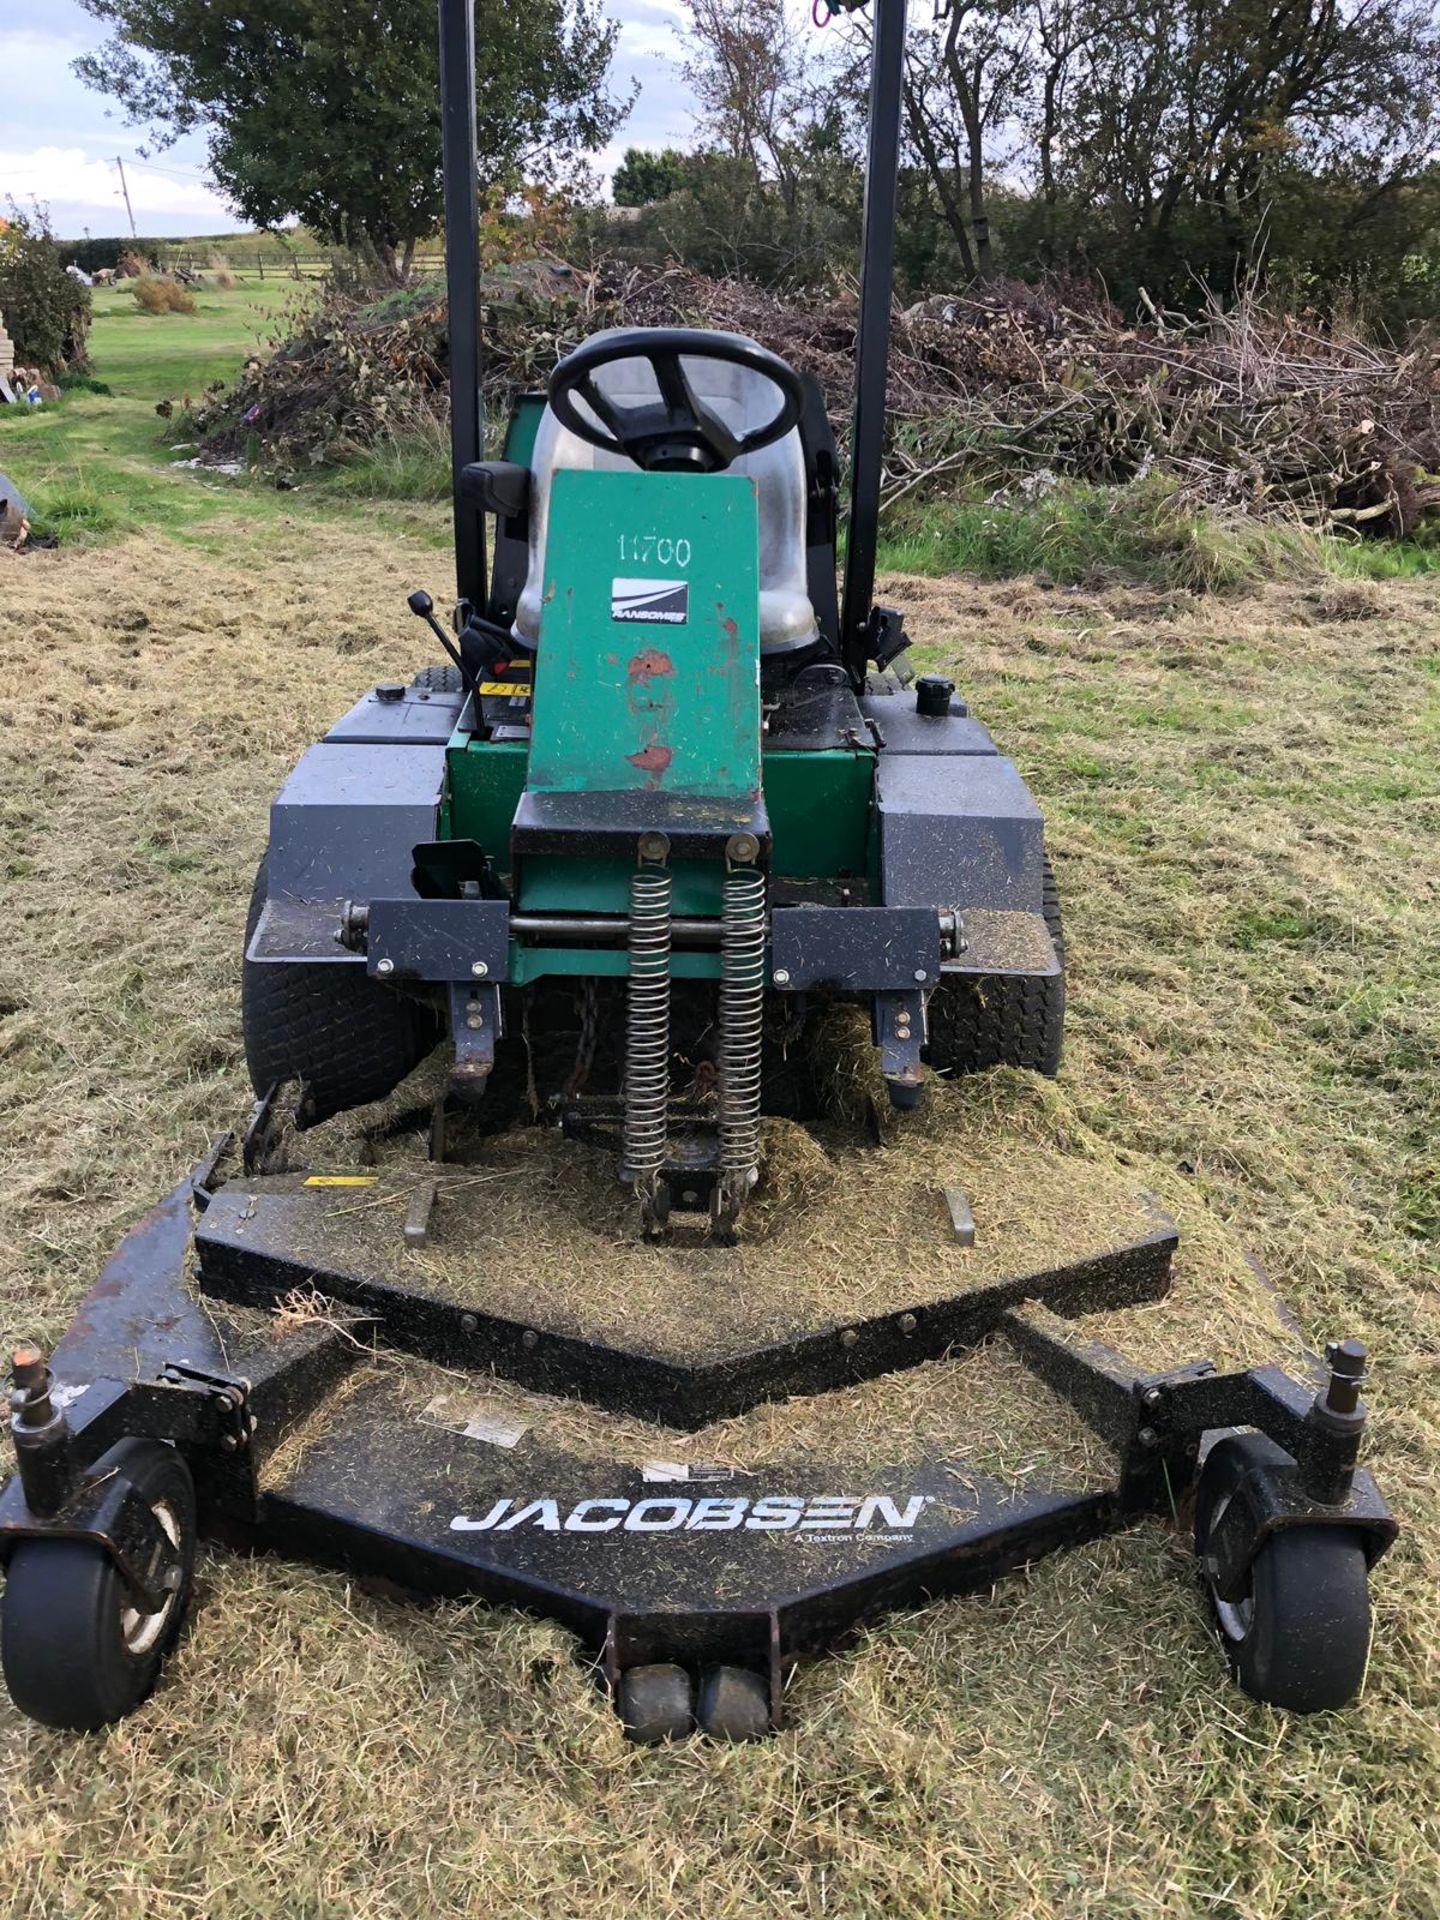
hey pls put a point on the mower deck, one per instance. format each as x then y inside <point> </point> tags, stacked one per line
<point>740,1502</point>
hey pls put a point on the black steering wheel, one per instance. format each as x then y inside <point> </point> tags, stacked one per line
<point>678,432</point>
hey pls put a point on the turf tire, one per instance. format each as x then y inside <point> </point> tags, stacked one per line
<point>347,1037</point>
<point>75,1654</point>
<point>439,680</point>
<point>1300,1637</point>
<point>974,1023</point>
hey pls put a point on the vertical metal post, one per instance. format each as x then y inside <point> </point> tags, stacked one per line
<point>462,279</point>
<point>872,347</point>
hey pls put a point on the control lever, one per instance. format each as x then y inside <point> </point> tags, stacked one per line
<point>423,607</point>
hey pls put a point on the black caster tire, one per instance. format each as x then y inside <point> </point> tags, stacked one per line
<point>1300,1637</point>
<point>76,1651</point>
<point>734,1704</point>
<point>655,1704</point>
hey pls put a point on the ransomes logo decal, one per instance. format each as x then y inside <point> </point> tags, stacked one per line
<point>666,602</point>
<point>773,1513</point>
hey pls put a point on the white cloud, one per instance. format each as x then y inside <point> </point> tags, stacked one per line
<point>70,182</point>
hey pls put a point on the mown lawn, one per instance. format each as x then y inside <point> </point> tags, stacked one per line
<point>1244,809</point>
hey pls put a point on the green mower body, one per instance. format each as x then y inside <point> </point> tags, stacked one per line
<point>655,820</point>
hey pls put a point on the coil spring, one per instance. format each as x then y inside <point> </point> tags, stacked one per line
<point>742,1014</point>
<point>647,1027</point>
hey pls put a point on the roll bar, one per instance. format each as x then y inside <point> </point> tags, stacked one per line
<point>872,347</point>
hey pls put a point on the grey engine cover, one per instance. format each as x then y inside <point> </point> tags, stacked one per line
<point>958,830</point>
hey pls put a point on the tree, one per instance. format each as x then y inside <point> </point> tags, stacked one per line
<point>968,66</point>
<point>642,177</point>
<point>46,309</point>
<point>1187,122</point>
<point>327,111</point>
<point>760,103</point>
<point>965,76</point>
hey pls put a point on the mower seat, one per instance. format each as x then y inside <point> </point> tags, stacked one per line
<point>744,399</point>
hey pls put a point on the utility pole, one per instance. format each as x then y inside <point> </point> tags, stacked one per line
<point>126,191</point>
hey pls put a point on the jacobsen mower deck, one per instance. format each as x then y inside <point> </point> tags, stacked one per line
<point>347,1383</point>
<point>673,818</point>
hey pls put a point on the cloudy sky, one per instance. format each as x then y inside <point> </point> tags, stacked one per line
<point>59,140</point>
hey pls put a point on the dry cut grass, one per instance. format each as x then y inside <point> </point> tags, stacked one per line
<point>1242,798</point>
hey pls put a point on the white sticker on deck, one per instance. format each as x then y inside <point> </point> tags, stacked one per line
<point>664,1472</point>
<point>475,1419</point>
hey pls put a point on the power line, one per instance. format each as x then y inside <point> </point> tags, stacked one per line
<point>174,173</point>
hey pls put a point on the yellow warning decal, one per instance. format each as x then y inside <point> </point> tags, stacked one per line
<point>342,1180</point>
<point>519,688</point>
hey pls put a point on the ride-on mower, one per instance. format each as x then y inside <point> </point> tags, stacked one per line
<point>670,812</point>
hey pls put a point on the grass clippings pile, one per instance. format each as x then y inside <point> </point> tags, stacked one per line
<point>537,1228</point>
<point>1242,805</point>
<point>1010,387</point>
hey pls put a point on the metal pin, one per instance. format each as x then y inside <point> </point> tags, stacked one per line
<point>962,1220</point>
<point>417,1214</point>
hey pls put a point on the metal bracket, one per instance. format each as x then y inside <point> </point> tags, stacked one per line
<point>899,1026</point>
<point>1155,1423</point>
<point>438,939</point>
<point>227,1399</point>
<point>475,1024</point>
<point>1271,1498</point>
<point>205,1175</point>
<point>106,1509</point>
<point>263,1143</point>
<point>887,949</point>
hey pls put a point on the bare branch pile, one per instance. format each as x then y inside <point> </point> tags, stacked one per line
<point>1242,408</point>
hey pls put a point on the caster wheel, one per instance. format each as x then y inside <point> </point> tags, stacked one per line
<point>1299,1636</point>
<point>655,1704</point>
<point>734,1705</point>
<point>76,1651</point>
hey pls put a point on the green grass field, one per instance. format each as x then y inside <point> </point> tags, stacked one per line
<point>1242,799</point>
<point>103,465</point>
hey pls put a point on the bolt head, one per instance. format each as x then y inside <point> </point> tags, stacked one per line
<point>1152,1396</point>
<point>921,975</point>
<point>654,846</point>
<point>849,1337</point>
<point>781,977</point>
<point>479,969</point>
<point>907,1323</point>
<point>468,1323</point>
<point>384,966</point>
<point>742,848</point>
